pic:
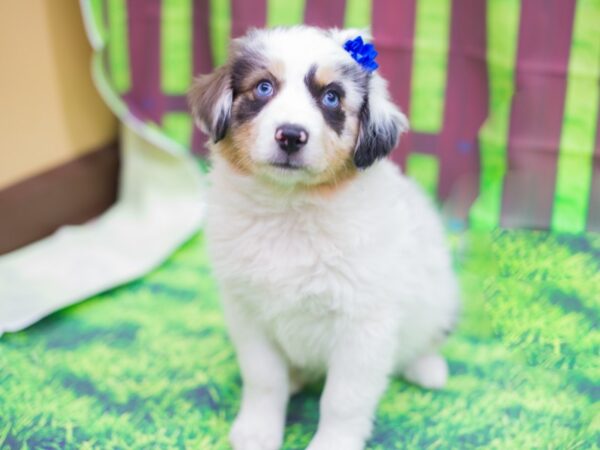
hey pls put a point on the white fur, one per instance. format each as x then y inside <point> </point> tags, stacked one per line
<point>355,285</point>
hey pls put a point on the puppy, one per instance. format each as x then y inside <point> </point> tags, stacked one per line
<point>330,262</point>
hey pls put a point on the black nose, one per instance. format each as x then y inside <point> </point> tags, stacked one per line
<point>291,137</point>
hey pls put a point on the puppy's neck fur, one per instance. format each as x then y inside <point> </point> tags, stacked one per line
<point>262,190</point>
<point>261,185</point>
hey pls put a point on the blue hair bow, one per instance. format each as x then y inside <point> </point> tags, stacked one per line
<point>362,53</point>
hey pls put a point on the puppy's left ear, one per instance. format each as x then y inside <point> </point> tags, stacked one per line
<point>381,124</point>
<point>210,100</point>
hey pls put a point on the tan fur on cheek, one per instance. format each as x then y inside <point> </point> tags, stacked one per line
<point>234,148</point>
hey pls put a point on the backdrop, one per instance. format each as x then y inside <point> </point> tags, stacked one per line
<point>503,99</point>
<point>502,95</point>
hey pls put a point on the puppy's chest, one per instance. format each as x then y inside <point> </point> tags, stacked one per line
<point>296,259</point>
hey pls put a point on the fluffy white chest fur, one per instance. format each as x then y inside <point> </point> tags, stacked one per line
<point>370,255</point>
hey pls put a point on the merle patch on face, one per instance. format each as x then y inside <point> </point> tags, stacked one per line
<point>358,76</point>
<point>246,63</point>
<point>245,71</point>
<point>334,117</point>
<point>247,107</point>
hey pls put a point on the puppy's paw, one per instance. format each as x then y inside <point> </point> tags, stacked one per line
<point>430,372</point>
<point>256,432</point>
<point>335,441</point>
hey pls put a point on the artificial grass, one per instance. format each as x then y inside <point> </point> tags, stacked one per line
<point>149,364</point>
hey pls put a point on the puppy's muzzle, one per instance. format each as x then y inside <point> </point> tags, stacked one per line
<point>291,138</point>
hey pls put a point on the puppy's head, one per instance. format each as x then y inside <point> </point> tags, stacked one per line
<point>293,107</point>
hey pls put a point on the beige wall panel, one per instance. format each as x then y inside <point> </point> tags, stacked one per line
<point>50,111</point>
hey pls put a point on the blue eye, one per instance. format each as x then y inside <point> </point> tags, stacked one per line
<point>264,89</point>
<point>330,99</point>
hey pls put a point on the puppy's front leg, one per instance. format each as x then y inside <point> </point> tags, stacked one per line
<point>261,419</point>
<point>356,379</point>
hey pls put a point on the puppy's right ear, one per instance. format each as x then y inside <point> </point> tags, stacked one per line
<point>210,100</point>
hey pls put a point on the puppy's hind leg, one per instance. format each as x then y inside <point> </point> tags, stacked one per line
<point>429,371</point>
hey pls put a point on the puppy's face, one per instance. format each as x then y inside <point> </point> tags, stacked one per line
<point>292,106</point>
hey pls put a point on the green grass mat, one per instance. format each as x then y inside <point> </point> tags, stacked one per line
<point>149,365</point>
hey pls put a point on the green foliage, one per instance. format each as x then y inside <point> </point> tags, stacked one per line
<point>149,364</point>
